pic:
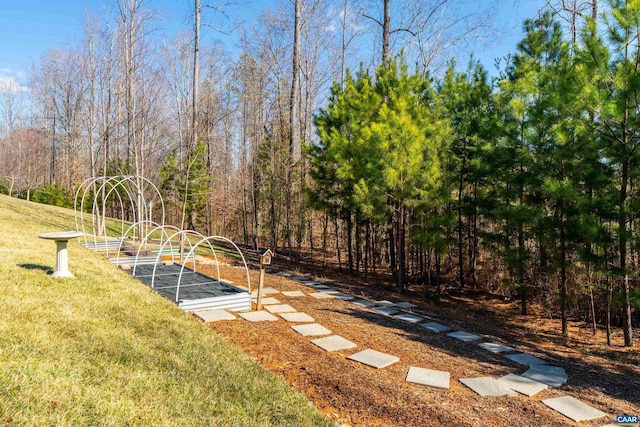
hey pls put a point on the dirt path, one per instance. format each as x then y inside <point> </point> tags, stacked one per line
<point>358,395</point>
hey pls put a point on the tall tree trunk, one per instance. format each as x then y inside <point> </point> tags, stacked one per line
<point>622,226</point>
<point>386,31</point>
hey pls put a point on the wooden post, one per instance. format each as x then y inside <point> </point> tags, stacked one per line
<point>265,259</point>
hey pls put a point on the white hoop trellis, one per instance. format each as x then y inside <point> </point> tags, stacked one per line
<point>134,188</point>
<point>208,240</point>
<point>143,243</point>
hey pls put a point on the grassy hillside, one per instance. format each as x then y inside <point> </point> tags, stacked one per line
<point>103,349</point>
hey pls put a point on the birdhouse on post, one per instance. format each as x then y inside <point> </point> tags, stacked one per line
<point>265,259</point>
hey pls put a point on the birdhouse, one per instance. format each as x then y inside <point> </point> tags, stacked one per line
<point>265,258</point>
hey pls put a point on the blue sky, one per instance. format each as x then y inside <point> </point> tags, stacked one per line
<point>28,28</point>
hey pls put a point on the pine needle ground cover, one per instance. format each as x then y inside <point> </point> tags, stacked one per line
<point>103,349</point>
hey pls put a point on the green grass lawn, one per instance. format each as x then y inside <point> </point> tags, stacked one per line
<point>103,349</point>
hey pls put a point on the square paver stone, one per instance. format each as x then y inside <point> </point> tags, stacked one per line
<point>487,386</point>
<point>293,293</point>
<point>301,278</point>
<point>265,291</point>
<point>363,303</point>
<point>387,311</point>
<point>384,303</point>
<point>333,343</point>
<point>280,308</point>
<point>374,358</point>
<point>404,304</point>
<point>522,385</point>
<point>436,327</point>
<point>312,283</point>
<point>214,315</point>
<point>258,316</point>
<point>322,288</point>
<point>344,297</point>
<point>438,379</point>
<point>495,347</point>
<point>266,301</point>
<point>525,359</point>
<point>321,295</point>
<point>283,274</point>
<point>297,317</point>
<point>464,336</point>
<point>409,318</point>
<point>572,408</point>
<point>553,376</point>
<point>311,329</point>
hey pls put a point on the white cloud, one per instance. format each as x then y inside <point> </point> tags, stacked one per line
<point>9,82</point>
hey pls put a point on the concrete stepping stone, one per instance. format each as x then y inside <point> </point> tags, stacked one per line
<point>374,358</point>
<point>522,385</point>
<point>572,408</point>
<point>283,274</point>
<point>258,316</point>
<point>487,386</point>
<point>266,301</point>
<point>280,308</point>
<point>387,311</point>
<point>323,288</point>
<point>495,347</point>
<point>265,291</point>
<point>333,343</point>
<point>363,303</point>
<point>384,303</point>
<point>297,317</point>
<point>300,278</point>
<point>553,376</point>
<point>405,305</point>
<point>525,359</point>
<point>214,315</point>
<point>322,295</point>
<point>464,336</point>
<point>429,377</point>
<point>312,283</point>
<point>344,297</point>
<point>293,293</point>
<point>409,317</point>
<point>436,327</point>
<point>311,329</point>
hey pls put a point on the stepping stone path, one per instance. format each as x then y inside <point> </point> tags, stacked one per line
<point>464,336</point>
<point>436,327</point>
<point>267,301</point>
<point>214,315</point>
<point>487,386</point>
<point>553,376</point>
<point>495,347</point>
<point>363,303</point>
<point>311,329</point>
<point>429,377</point>
<point>258,316</point>
<point>333,343</point>
<point>539,377</point>
<point>522,385</point>
<point>280,308</point>
<point>409,318</point>
<point>322,295</point>
<point>525,359</point>
<point>293,293</point>
<point>387,311</point>
<point>297,317</point>
<point>572,408</point>
<point>374,358</point>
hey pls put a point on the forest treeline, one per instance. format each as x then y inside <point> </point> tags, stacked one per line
<point>522,183</point>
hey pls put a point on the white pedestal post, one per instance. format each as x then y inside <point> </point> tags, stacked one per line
<point>62,260</point>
